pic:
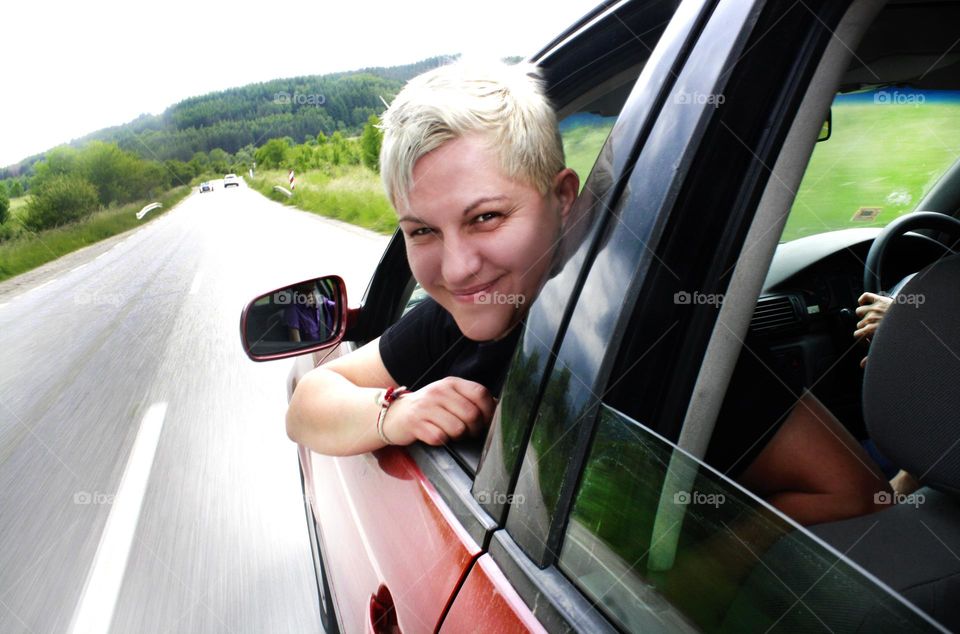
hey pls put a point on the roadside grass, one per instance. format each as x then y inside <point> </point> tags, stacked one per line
<point>354,194</point>
<point>884,156</point>
<point>30,250</point>
<point>350,193</point>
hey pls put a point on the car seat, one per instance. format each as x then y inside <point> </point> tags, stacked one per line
<point>911,400</point>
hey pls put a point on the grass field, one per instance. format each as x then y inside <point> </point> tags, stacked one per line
<point>879,155</point>
<point>351,193</point>
<point>33,249</point>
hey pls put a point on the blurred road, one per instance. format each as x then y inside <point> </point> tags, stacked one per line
<point>139,341</point>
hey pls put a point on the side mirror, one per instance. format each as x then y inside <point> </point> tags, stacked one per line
<point>296,319</point>
<point>827,127</point>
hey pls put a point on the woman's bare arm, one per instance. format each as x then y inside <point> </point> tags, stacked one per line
<point>334,408</point>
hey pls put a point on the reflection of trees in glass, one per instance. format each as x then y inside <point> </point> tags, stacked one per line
<point>739,566</point>
<point>552,446</point>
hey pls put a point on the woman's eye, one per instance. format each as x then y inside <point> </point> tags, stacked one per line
<point>486,217</point>
<point>422,231</point>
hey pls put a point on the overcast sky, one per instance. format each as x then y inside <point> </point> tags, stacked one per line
<point>70,68</point>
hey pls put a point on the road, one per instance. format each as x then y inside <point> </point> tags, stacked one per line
<point>127,367</point>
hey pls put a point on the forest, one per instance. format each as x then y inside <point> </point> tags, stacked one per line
<point>248,116</point>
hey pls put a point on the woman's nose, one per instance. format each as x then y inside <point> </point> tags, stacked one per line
<point>461,263</point>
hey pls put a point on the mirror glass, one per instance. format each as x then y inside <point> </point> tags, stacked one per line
<point>827,127</point>
<point>295,319</point>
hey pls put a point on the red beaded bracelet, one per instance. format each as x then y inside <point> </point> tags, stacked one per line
<point>385,400</point>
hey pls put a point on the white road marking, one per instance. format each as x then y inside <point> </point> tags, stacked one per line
<point>196,283</point>
<point>102,254</point>
<point>47,283</point>
<point>77,268</point>
<point>98,601</point>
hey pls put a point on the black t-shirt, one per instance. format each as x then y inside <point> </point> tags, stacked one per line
<point>426,345</point>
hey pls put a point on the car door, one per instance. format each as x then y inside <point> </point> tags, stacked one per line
<point>399,529</point>
<point>614,522</point>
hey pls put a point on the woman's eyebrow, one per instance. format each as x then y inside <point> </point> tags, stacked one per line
<point>481,201</point>
<point>467,209</point>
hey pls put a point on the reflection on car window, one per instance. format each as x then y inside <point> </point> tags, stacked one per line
<point>417,296</point>
<point>887,149</point>
<point>663,546</point>
<point>583,135</point>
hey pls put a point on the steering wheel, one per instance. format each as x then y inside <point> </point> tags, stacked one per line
<point>892,232</point>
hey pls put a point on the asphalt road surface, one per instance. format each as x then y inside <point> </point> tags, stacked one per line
<point>146,482</point>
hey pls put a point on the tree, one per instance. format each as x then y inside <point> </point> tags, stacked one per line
<point>16,188</point>
<point>4,205</point>
<point>60,199</point>
<point>370,142</point>
<point>272,154</point>
<point>219,161</point>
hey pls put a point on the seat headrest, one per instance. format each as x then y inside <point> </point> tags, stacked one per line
<point>911,387</point>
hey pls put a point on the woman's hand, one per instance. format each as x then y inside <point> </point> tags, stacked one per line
<point>871,311</point>
<point>439,412</point>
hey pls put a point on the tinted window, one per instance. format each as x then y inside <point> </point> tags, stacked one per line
<point>662,545</point>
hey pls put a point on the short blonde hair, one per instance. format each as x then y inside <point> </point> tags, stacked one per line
<point>505,103</point>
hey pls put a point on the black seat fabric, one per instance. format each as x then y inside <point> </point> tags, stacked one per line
<point>911,398</point>
<point>911,387</point>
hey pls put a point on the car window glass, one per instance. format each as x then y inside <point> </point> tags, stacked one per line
<point>583,135</point>
<point>661,545</point>
<point>417,296</point>
<point>887,148</point>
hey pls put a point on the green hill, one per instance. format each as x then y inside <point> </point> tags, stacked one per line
<point>296,107</point>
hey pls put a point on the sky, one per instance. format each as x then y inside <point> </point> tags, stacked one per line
<point>70,68</point>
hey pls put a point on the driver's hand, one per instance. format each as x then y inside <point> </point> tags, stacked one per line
<point>439,412</point>
<point>871,311</point>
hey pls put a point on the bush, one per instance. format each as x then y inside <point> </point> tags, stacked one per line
<point>59,200</point>
<point>4,205</point>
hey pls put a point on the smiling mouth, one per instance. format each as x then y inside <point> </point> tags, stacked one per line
<point>470,295</point>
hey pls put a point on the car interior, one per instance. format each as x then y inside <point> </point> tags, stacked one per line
<point>902,404</point>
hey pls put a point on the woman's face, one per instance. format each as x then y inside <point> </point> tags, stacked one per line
<point>479,243</point>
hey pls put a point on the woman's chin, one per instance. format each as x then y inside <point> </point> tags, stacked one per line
<point>489,325</point>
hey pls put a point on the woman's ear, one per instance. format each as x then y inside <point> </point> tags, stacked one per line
<point>566,186</point>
